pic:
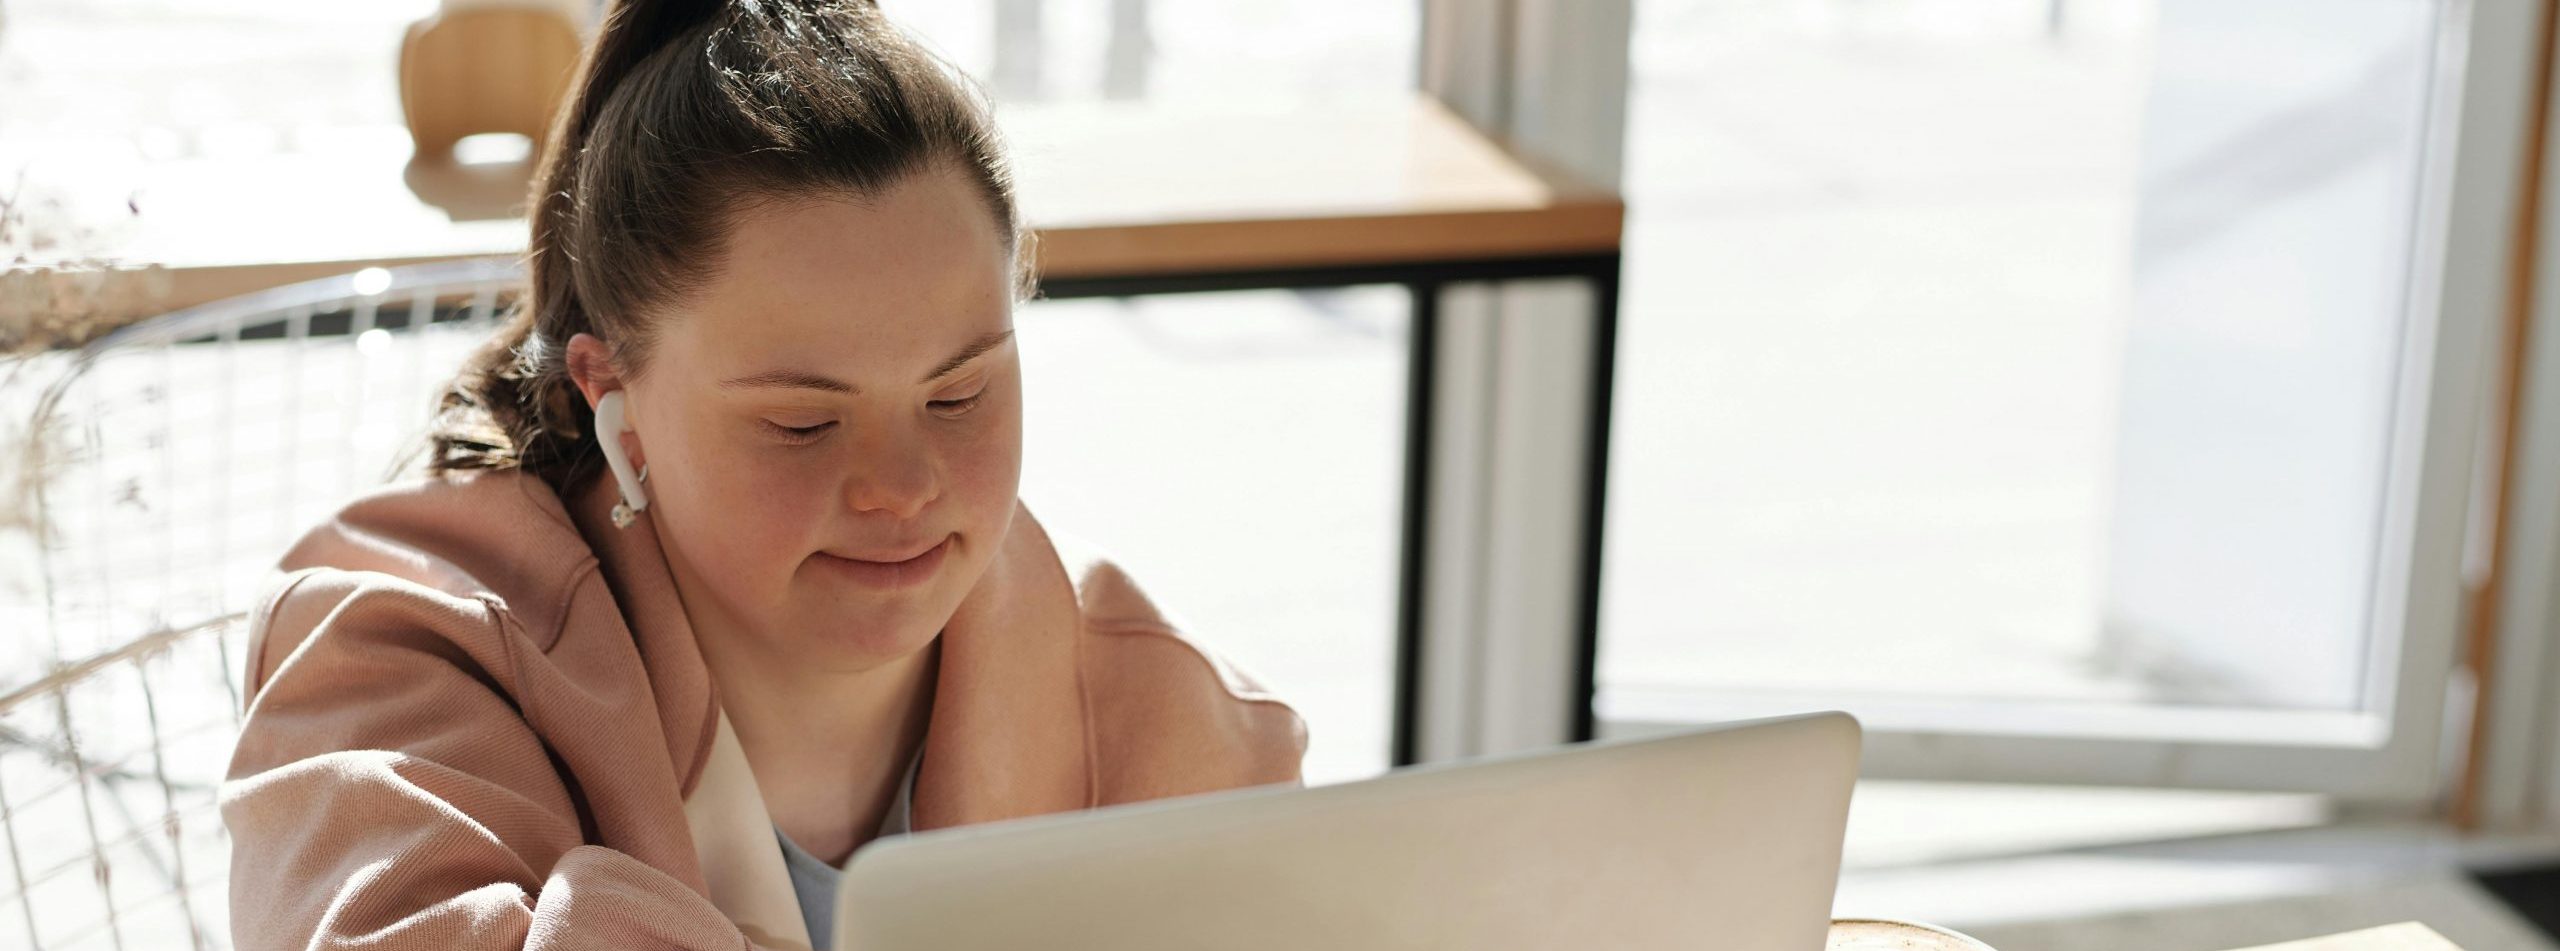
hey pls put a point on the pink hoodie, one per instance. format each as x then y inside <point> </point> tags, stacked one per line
<point>477,719</point>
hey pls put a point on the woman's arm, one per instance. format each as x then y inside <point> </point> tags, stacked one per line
<point>386,792</point>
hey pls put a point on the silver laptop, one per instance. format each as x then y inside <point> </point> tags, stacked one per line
<point>1726,838</point>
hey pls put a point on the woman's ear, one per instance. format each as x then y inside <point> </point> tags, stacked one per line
<point>591,367</point>
<point>590,362</point>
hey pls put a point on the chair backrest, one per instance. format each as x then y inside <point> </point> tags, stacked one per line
<point>169,464</point>
<point>490,69</point>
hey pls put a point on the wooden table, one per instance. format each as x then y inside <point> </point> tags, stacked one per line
<point>1119,193</point>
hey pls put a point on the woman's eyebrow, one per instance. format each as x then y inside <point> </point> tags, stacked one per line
<point>974,350</point>
<point>799,379</point>
<point>803,379</point>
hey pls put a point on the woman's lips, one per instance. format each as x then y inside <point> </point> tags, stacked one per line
<point>889,574</point>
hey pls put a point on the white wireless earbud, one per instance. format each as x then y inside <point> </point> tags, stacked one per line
<point>609,430</point>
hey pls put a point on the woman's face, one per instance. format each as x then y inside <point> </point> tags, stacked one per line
<point>833,424</point>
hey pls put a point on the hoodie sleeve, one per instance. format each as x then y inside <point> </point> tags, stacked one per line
<point>1172,717</point>
<point>387,792</point>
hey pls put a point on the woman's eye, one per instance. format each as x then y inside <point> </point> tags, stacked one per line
<point>798,434</point>
<point>958,406</point>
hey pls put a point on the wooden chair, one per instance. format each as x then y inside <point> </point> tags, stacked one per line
<point>477,70</point>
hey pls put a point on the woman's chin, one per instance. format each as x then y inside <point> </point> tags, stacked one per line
<point>862,639</point>
<point>863,625</point>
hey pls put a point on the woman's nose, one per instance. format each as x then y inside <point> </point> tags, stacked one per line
<point>895,478</point>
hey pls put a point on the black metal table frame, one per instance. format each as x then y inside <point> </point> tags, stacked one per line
<point>1425,281</point>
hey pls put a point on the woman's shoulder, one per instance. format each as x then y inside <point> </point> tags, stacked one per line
<point>491,532</point>
<point>447,521</point>
<point>1172,712</point>
<point>443,555</point>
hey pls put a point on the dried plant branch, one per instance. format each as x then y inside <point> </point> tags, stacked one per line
<point>56,295</point>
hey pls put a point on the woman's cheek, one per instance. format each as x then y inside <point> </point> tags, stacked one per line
<point>791,499</point>
<point>767,501</point>
<point>986,473</point>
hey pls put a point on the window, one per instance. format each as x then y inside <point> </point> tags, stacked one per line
<point>2032,366</point>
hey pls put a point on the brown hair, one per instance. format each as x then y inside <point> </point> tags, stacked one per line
<point>683,111</point>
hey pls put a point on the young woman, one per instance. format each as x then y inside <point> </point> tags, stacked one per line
<point>719,571</point>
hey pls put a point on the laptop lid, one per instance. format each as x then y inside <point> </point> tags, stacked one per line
<point>1727,837</point>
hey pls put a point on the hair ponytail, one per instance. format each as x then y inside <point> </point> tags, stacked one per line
<point>680,109</point>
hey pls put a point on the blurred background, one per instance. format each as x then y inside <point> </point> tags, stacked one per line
<point>2139,412</point>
